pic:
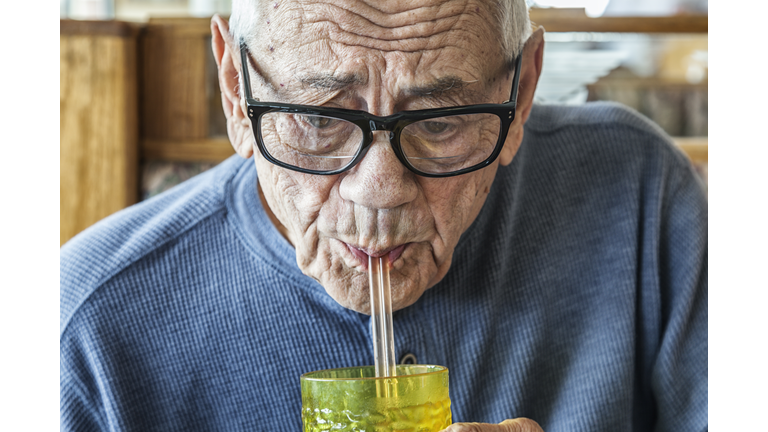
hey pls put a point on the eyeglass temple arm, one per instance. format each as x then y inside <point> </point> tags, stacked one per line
<point>244,69</point>
<point>516,79</point>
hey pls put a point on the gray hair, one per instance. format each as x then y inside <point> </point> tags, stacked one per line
<point>512,15</point>
<point>515,26</point>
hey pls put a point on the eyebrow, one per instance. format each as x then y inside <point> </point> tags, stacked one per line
<point>332,82</point>
<point>440,88</point>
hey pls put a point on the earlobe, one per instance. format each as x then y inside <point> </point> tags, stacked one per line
<point>228,64</point>
<point>511,145</point>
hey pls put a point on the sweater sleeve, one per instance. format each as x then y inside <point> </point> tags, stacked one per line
<point>81,409</point>
<point>678,377</point>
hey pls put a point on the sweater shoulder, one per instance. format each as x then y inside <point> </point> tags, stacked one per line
<point>113,244</point>
<point>545,117</point>
<point>600,126</point>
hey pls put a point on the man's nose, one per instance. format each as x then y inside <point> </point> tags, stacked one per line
<point>380,180</point>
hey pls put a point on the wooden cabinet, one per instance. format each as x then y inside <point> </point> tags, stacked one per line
<point>131,93</point>
<point>181,113</point>
<point>98,123</point>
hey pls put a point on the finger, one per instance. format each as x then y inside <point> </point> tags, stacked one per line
<point>520,425</point>
<point>516,425</point>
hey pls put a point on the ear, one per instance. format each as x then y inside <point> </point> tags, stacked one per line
<point>227,57</point>
<point>533,58</point>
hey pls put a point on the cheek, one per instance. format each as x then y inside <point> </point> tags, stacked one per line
<point>480,193</point>
<point>295,198</point>
<point>455,206</point>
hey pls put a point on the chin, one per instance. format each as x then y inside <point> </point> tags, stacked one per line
<point>353,291</point>
<point>345,276</point>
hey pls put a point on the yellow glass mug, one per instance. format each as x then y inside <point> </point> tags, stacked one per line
<point>353,399</point>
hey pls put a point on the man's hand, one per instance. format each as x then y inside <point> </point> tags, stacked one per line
<point>516,425</point>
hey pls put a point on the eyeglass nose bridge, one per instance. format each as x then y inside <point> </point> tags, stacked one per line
<point>376,125</point>
<point>383,126</point>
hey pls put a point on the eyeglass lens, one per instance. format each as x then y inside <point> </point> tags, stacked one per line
<point>436,145</point>
<point>446,144</point>
<point>310,141</point>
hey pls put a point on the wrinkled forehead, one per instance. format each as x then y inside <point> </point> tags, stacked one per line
<point>393,43</point>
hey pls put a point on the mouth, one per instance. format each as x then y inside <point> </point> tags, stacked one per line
<point>363,254</point>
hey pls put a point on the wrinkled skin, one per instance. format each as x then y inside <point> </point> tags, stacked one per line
<point>378,207</point>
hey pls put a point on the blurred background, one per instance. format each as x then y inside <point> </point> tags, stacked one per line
<point>140,107</point>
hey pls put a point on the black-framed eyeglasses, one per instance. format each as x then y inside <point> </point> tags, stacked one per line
<point>440,142</point>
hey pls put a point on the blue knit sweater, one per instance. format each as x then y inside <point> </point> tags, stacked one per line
<point>578,298</point>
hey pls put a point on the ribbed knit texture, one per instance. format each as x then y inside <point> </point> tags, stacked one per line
<point>578,298</point>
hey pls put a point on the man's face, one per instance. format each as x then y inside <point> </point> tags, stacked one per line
<point>383,58</point>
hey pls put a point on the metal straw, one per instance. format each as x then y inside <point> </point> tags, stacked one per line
<point>381,316</point>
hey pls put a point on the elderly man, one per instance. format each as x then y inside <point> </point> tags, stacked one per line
<point>553,258</point>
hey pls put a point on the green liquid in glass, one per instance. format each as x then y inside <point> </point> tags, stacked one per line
<point>353,399</point>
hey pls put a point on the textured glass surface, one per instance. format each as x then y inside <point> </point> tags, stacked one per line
<point>352,399</point>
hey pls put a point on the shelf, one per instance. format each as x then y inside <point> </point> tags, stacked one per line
<point>697,148</point>
<point>575,20</point>
<point>553,20</point>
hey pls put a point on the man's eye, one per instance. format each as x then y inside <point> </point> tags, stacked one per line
<point>318,122</point>
<point>434,127</point>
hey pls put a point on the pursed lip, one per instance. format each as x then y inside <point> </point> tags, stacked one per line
<point>362,254</point>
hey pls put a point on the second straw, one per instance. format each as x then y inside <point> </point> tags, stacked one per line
<point>381,316</point>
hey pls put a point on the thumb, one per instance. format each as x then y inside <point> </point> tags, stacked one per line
<point>520,425</point>
<point>516,425</point>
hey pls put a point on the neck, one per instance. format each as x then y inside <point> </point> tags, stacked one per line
<point>280,227</point>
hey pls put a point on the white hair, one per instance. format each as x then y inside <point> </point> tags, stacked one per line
<point>515,26</point>
<point>246,19</point>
